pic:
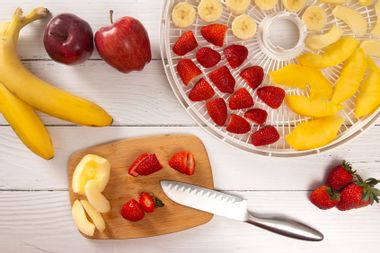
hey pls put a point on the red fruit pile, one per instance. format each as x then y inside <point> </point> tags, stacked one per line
<point>135,211</point>
<point>345,189</point>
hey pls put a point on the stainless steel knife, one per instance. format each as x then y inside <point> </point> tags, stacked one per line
<point>234,207</point>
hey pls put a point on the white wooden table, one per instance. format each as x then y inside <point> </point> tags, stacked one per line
<point>34,204</point>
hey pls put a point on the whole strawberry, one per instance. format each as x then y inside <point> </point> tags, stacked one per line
<point>324,197</point>
<point>341,176</point>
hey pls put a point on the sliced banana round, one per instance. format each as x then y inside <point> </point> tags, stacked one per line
<point>244,27</point>
<point>183,14</point>
<point>210,10</point>
<point>315,18</point>
<point>266,4</point>
<point>238,6</point>
<point>294,5</point>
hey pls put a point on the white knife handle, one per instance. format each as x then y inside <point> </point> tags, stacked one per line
<point>286,227</point>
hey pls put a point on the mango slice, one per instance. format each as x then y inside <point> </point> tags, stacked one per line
<point>314,133</point>
<point>95,216</point>
<point>371,47</point>
<point>319,41</point>
<point>80,219</point>
<point>312,107</point>
<point>352,18</point>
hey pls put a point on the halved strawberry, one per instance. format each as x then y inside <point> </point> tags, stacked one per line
<point>132,211</point>
<point>208,57</point>
<point>265,136</point>
<point>185,43</point>
<point>214,33</point>
<point>217,109</point>
<point>184,162</point>
<point>149,201</point>
<point>136,163</point>
<point>187,70</point>
<point>202,90</point>
<point>240,99</point>
<point>238,125</point>
<point>235,55</point>
<point>253,76</point>
<point>223,79</point>
<point>145,164</point>
<point>271,95</point>
<point>257,115</point>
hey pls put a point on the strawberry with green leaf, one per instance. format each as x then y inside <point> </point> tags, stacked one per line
<point>341,176</point>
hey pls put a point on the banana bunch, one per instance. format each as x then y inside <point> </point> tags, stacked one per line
<point>21,93</point>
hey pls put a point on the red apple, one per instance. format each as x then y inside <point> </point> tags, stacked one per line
<point>68,39</point>
<point>124,44</point>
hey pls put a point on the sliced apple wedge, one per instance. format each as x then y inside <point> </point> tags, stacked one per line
<point>95,216</point>
<point>306,106</point>
<point>95,197</point>
<point>376,30</point>
<point>352,18</point>
<point>320,41</point>
<point>371,47</point>
<point>80,219</point>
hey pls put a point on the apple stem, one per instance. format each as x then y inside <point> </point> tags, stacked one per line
<point>111,14</point>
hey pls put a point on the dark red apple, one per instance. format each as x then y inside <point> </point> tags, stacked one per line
<point>124,44</point>
<point>68,39</point>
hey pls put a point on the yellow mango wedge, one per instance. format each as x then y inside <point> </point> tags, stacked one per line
<point>333,55</point>
<point>294,75</point>
<point>314,133</point>
<point>306,106</point>
<point>350,77</point>
<point>371,47</point>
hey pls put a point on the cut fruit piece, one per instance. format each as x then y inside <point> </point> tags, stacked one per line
<point>266,5</point>
<point>185,43</point>
<point>241,99</point>
<point>315,18</point>
<point>96,198</point>
<point>271,96</point>
<point>214,33</point>
<point>238,125</point>
<point>352,18</point>
<point>320,41</point>
<point>371,47</point>
<point>217,110</point>
<point>294,5</point>
<point>306,106</point>
<point>333,1</point>
<point>376,30</point>
<point>314,133</point>
<point>187,70</point>
<point>244,27</point>
<point>91,167</point>
<point>183,14</point>
<point>237,6</point>
<point>235,55</point>
<point>210,10</point>
<point>253,76</point>
<point>333,55</point>
<point>223,79</point>
<point>207,57</point>
<point>365,2</point>
<point>350,77</point>
<point>80,219</point>
<point>257,115</point>
<point>265,136</point>
<point>95,216</point>
<point>202,90</point>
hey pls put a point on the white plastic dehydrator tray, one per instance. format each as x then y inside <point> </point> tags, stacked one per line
<point>278,41</point>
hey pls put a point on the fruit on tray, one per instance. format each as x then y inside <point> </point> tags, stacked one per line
<point>324,197</point>
<point>350,77</point>
<point>319,41</point>
<point>210,10</point>
<point>201,91</point>
<point>294,5</point>
<point>241,99</point>
<point>187,70</point>
<point>214,33</point>
<point>341,176</point>
<point>26,124</point>
<point>207,57</point>
<point>235,55</point>
<point>68,39</point>
<point>80,219</point>
<point>132,211</point>
<point>368,99</point>
<point>271,95</point>
<point>352,18</point>
<point>149,202</point>
<point>365,2</point>
<point>145,164</point>
<point>253,76</point>
<point>266,5</point>
<point>257,115</point>
<point>265,136</point>
<point>185,43</point>
<point>376,30</point>
<point>333,55</point>
<point>217,110</point>
<point>315,18</point>
<point>371,47</point>
<point>95,197</point>
<point>238,6</point>
<point>91,167</point>
<point>183,14</point>
<point>314,133</point>
<point>244,27</point>
<point>94,215</point>
<point>223,79</point>
<point>238,125</point>
<point>183,162</point>
<point>317,107</point>
<point>333,1</point>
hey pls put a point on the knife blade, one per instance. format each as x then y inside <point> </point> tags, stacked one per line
<point>234,207</point>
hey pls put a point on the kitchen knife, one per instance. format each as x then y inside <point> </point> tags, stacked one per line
<point>234,207</point>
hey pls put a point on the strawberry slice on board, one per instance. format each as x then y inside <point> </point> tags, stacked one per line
<point>132,211</point>
<point>187,70</point>
<point>238,125</point>
<point>183,162</point>
<point>235,55</point>
<point>214,33</point>
<point>223,79</point>
<point>253,75</point>
<point>265,136</point>
<point>257,115</point>
<point>149,202</point>
<point>185,43</point>
<point>217,110</point>
<point>324,197</point>
<point>145,164</point>
<point>202,90</point>
<point>271,95</point>
<point>241,99</point>
<point>207,57</point>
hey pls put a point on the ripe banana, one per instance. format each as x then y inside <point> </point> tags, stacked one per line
<point>376,30</point>
<point>210,10</point>
<point>32,90</point>
<point>266,5</point>
<point>320,41</point>
<point>244,27</point>
<point>294,5</point>
<point>315,18</point>
<point>238,6</point>
<point>352,18</point>
<point>183,15</point>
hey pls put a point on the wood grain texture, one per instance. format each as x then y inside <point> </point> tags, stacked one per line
<point>122,186</point>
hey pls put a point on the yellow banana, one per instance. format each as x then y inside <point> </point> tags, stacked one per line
<point>32,90</point>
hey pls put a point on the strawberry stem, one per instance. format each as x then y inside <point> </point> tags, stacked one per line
<point>111,16</point>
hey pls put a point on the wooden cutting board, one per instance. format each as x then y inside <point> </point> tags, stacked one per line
<point>122,187</point>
